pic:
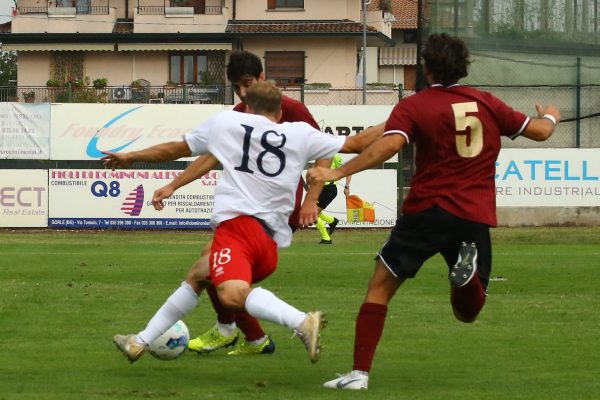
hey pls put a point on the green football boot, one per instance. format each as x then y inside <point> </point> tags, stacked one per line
<point>245,349</point>
<point>212,340</point>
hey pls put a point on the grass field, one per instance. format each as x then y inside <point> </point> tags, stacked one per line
<point>63,295</point>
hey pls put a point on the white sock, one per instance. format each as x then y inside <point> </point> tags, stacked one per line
<point>264,305</point>
<point>180,303</point>
<point>226,329</point>
<point>258,342</point>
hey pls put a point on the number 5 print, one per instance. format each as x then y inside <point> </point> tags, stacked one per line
<point>462,121</point>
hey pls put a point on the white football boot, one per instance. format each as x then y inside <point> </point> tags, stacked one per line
<point>129,346</point>
<point>354,380</point>
<point>309,331</point>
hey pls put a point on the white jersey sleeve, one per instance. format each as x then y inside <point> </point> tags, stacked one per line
<point>198,138</point>
<point>322,145</point>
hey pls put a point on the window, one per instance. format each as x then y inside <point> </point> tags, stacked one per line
<point>274,4</point>
<point>410,36</point>
<point>84,6</point>
<point>286,68</point>
<point>188,68</point>
<point>67,66</point>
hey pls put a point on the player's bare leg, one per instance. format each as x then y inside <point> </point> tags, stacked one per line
<point>223,334</point>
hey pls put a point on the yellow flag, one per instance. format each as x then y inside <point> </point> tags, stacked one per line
<point>359,210</point>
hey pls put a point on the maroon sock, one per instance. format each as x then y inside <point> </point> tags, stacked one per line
<point>467,301</point>
<point>369,327</point>
<point>224,315</point>
<point>249,325</point>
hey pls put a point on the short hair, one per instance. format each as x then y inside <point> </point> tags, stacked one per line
<point>446,58</point>
<point>243,65</point>
<point>264,98</point>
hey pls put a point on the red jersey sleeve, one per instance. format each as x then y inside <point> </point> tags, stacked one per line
<point>510,121</point>
<point>401,121</point>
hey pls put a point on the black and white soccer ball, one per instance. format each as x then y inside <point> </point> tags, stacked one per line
<point>172,343</point>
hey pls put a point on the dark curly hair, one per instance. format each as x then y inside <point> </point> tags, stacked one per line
<point>243,65</point>
<point>446,58</point>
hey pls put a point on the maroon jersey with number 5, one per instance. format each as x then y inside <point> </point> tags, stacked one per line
<point>457,132</point>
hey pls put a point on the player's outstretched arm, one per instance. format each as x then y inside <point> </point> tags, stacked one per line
<point>160,194</point>
<point>379,151</point>
<point>161,152</point>
<point>362,140</point>
<point>309,210</point>
<point>542,127</point>
<point>200,167</point>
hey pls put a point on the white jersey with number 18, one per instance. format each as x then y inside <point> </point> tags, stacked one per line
<point>262,163</point>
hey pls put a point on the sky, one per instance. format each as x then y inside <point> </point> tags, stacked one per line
<point>5,8</point>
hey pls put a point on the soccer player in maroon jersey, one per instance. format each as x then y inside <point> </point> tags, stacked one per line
<point>452,202</point>
<point>243,69</point>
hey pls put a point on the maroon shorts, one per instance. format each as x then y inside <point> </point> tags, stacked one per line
<point>242,250</point>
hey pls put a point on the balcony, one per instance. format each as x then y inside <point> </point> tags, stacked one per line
<point>189,94</point>
<point>195,7</point>
<point>95,16</point>
<point>84,9</point>
<point>182,94</point>
<point>181,16</point>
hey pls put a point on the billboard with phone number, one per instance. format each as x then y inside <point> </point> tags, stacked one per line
<point>122,199</point>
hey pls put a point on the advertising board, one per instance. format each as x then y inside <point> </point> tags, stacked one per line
<point>23,198</point>
<point>96,198</point>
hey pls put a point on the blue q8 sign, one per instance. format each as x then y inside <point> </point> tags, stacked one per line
<point>121,199</point>
<point>548,178</point>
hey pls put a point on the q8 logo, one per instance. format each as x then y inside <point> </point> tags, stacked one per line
<point>101,189</point>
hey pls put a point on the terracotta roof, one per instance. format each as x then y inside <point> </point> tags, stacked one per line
<point>6,27</point>
<point>373,6</point>
<point>310,27</point>
<point>405,12</point>
<point>123,26</point>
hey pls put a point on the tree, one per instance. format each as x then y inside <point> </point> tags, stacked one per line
<point>8,67</point>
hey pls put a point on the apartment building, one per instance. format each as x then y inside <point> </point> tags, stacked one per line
<point>187,42</point>
<point>398,64</point>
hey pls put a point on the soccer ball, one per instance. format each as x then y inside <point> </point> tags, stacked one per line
<point>172,343</point>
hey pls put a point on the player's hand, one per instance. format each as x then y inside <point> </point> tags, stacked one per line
<point>159,195</point>
<point>116,160</point>
<point>309,212</point>
<point>320,175</point>
<point>549,109</point>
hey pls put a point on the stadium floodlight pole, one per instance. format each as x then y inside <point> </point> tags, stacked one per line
<point>365,3</point>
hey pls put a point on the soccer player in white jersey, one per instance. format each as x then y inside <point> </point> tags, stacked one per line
<point>262,163</point>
